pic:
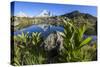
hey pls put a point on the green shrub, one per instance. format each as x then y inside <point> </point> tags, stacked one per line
<point>73,42</point>
<point>27,49</point>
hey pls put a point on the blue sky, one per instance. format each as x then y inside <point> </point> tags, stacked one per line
<point>33,8</point>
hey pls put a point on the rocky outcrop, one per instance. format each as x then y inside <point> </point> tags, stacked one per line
<point>54,40</point>
<point>52,45</point>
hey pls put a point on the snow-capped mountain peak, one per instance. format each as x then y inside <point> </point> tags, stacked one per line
<point>45,13</point>
<point>21,14</point>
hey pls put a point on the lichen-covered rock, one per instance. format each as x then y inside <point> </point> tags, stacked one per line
<point>53,41</point>
<point>52,45</point>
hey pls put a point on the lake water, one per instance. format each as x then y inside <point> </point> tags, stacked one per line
<point>45,30</point>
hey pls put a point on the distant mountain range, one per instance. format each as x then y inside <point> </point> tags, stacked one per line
<point>43,13</point>
<point>77,15</point>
